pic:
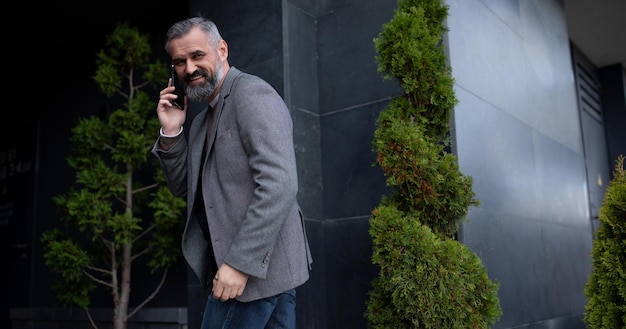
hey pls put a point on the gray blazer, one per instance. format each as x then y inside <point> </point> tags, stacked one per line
<point>249,186</point>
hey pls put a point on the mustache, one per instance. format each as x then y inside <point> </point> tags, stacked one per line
<point>195,74</point>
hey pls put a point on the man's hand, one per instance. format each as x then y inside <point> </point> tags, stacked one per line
<point>170,116</point>
<point>228,283</point>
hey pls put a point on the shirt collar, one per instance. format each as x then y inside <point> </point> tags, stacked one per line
<point>214,101</point>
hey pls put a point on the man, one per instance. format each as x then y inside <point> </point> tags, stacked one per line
<point>244,234</point>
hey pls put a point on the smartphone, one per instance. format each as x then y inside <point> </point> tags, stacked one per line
<point>179,91</point>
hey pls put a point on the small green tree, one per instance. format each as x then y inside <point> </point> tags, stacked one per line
<point>606,286</point>
<point>427,278</point>
<point>119,208</point>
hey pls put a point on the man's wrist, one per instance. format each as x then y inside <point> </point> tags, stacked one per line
<point>167,135</point>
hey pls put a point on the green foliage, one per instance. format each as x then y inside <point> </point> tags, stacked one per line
<point>69,260</point>
<point>427,279</point>
<point>167,214</point>
<point>425,178</point>
<point>126,51</point>
<point>119,204</point>
<point>606,286</point>
<point>409,50</point>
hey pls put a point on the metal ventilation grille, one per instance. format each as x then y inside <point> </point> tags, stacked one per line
<point>588,85</point>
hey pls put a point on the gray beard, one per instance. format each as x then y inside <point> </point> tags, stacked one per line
<point>203,92</point>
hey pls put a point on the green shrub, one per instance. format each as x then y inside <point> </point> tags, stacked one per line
<point>427,279</point>
<point>606,286</point>
<point>423,176</point>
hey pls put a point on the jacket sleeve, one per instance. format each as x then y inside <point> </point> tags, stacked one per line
<point>173,162</point>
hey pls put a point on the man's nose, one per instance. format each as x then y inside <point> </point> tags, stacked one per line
<point>190,68</point>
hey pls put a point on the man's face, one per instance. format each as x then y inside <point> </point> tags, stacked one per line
<point>199,65</point>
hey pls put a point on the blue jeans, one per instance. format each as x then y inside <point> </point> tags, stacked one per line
<point>276,312</point>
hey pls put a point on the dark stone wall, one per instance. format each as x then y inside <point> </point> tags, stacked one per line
<point>320,58</point>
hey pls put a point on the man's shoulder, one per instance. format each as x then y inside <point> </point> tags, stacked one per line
<point>244,82</point>
<point>245,77</point>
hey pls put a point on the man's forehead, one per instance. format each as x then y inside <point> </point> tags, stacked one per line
<point>188,44</point>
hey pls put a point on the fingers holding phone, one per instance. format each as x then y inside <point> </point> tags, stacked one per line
<point>170,109</point>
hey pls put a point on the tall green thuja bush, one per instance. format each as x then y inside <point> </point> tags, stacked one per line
<point>427,278</point>
<point>119,210</point>
<point>606,286</point>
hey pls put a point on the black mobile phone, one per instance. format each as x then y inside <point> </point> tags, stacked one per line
<point>179,91</point>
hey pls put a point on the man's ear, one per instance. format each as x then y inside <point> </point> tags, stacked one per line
<point>222,49</point>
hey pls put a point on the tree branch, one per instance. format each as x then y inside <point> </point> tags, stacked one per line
<point>93,324</point>
<point>146,188</point>
<point>149,298</point>
<point>141,85</point>
<point>137,255</point>
<point>144,233</point>
<point>102,282</point>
